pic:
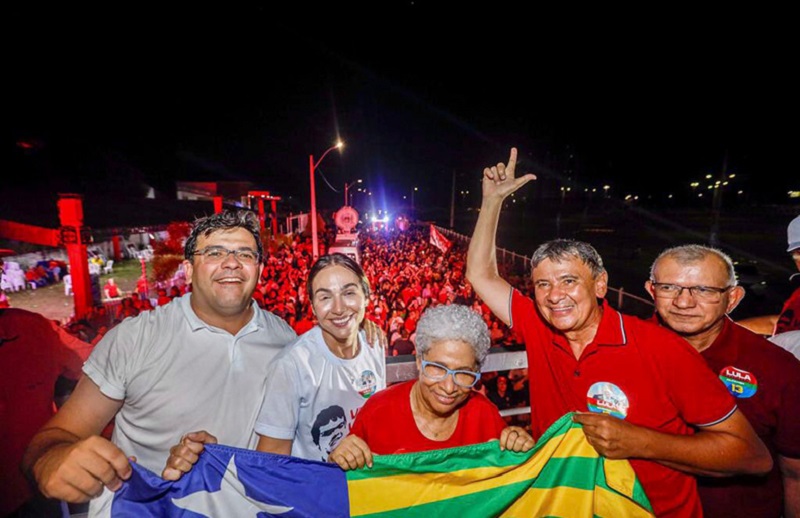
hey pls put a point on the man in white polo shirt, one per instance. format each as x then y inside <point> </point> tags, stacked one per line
<point>198,363</point>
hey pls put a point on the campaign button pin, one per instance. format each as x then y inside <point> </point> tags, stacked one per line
<point>367,384</point>
<point>606,398</point>
<point>741,383</point>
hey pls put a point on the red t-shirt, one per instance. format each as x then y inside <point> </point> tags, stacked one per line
<point>112,289</point>
<point>386,423</point>
<point>635,370</point>
<point>765,380</point>
<point>789,319</point>
<point>33,353</point>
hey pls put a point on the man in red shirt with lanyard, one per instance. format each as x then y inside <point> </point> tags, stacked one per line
<point>694,288</point>
<point>641,392</point>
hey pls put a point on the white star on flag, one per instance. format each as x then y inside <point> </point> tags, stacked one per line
<point>229,500</point>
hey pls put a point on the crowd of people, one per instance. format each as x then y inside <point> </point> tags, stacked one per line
<point>633,384</point>
<point>14,277</point>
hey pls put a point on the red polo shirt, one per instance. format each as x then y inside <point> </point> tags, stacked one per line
<point>386,422</point>
<point>765,380</point>
<point>33,353</point>
<point>635,370</point>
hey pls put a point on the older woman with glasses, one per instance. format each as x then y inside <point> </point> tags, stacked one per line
<point>439,409</point>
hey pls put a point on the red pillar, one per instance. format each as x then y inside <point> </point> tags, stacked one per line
<point>217,204</point>
<point>274,218</point>
<point>261,215</point>
<point>115,240</point>
<point>70,212</point>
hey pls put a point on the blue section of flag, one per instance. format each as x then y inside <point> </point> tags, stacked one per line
<point>262,484</point>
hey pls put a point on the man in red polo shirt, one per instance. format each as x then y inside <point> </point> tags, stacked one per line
<point>635,385</point>
<point>694,288</point>
<point>34,352</point>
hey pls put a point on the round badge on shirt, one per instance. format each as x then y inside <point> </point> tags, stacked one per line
<point>367,384</point>
<point>741,383</point>
<point>606,398</point>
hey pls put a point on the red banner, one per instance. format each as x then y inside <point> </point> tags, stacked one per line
<point>439,241</point>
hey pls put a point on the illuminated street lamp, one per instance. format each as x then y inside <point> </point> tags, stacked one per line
<point>346,188</point>
<point>312,166</point>
<point>412,200</point>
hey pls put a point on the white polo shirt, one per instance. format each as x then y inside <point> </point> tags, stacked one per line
<point>177,374</point>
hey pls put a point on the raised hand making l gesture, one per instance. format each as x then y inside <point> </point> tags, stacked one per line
<point>499,180</point>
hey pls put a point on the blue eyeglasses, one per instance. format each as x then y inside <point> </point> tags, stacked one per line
<point>438,372</point>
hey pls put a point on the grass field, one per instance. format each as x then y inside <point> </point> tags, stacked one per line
<point>51,302</point>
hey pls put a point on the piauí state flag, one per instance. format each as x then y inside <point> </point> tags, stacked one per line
<point>562,476</point>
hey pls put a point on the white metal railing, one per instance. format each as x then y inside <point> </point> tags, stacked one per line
<point>509,256</point>
<point>403,368</point>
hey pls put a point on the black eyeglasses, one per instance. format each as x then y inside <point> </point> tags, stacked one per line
<point>217,254</point>
<point>438,372</point>
<point>704,293</point>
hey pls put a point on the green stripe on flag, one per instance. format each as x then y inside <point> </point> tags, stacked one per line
<point>562,475</point>
<point>456,459</point>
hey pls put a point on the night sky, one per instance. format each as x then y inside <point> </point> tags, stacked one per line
<point>643,101</point>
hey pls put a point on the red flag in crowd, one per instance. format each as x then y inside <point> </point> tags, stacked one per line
<point>439,241</point>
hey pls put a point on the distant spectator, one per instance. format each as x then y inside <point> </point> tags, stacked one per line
<point>305,323</point>
<point>34,276</point>
<point>127,308</point>
<point>111,290</point>
<point>501,395</point>
<point>789,317</point>
<point>403,345</point>
<point>67,284</point>
<point>141,287</point>
<point>163,298</point>
<point>98,317</point>
<point>55,271</point>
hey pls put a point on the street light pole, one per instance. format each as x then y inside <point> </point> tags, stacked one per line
<point>412,201</point>
<point>312,166</point>
<point>346,188</point>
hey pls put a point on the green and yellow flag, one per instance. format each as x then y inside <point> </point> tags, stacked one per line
<point>561,476</point>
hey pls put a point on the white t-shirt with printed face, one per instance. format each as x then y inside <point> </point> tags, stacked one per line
<point>312,396</point>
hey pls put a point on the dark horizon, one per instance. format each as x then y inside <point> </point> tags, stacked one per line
<point>247,94</point>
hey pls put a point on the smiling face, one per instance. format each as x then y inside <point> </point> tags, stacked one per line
<point>222,291</point>
<point>445,397</point>
<point>566,295</point>
<point>339,304</point>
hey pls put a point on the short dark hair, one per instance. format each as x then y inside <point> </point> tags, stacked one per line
<point>332,413</point>
<point>340,260</point>
<point>558,250</point>
<point>225,220</point>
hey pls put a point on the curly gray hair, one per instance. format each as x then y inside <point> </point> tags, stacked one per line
<point>453,322</point>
